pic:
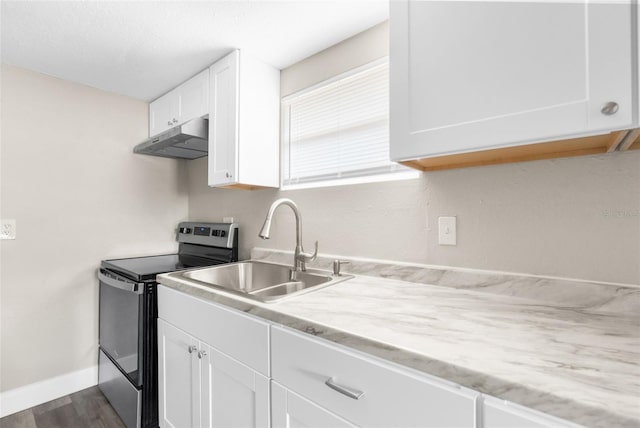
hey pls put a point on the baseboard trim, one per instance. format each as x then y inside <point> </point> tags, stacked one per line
<point>25,397</point>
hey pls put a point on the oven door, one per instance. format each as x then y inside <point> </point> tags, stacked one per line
<point>121,323</point>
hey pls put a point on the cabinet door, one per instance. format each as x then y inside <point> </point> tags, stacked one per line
<point>163,113</point>
<point>178,378</point>
<point>289,410</point>
<point>232,394</point>
<point>194,97</point>
<point>223,120</point>
<point>478,75</point>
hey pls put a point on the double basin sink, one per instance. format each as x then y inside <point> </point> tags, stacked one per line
<point>265,282</point>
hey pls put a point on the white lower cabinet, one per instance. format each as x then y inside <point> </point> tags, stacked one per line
<point>361,390</point>
<point>215,362</point>
<point>292,411</point>
<point>202,387</point>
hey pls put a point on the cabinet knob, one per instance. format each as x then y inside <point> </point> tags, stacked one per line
<point>227,174</point>
<point>609,108</point>
<point>192,348</point>
<point>169,123</point>
<point>202,354</point>
<point>175,120</point>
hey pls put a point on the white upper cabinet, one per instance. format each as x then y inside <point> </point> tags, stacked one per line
<point>186,102</point>
<point>468,76</point>
<point>244,145</point>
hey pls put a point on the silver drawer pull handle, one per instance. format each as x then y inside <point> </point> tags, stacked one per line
<point>351,393</point>
<point>192,349</point>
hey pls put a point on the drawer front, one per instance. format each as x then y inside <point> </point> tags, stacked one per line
<point>242,337</point>
<point>391,395</point>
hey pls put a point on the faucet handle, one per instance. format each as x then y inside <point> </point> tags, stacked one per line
<point>306,257</point>
<point>337,264</point>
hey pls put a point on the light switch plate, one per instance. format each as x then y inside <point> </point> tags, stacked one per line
<point>8,229</point>
<point>447,231</point>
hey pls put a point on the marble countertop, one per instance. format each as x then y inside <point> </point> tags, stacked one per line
<point>574,363</point>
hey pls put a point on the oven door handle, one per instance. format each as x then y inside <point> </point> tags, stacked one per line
<point>114,281</point>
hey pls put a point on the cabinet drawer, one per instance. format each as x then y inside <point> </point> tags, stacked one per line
<point>242,337</point>
<point>392,395</point>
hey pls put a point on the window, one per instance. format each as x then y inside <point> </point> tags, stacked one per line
<point>338,130</point>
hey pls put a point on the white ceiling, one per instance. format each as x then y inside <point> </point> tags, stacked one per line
<point>144,48</point>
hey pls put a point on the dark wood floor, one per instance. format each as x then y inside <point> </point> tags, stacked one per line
<point>84,409</point>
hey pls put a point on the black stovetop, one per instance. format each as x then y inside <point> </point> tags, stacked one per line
<point>146,268</point>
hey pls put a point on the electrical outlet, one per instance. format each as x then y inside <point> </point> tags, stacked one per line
<point>227,219</point>
<point>447,231</point>
<point>8,229</point>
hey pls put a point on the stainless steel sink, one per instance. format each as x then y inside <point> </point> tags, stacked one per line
<point>266,282</point>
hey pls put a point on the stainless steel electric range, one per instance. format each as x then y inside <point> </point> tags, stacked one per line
<point>128,373</point>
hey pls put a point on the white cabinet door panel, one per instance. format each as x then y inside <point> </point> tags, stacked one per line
<point>223,120</point>
<point>233,395</point>
<point>194,97</point>
<point>178,405</point>
<point>162,112</point>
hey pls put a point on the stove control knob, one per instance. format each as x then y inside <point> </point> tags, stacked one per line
<point>185,230</point>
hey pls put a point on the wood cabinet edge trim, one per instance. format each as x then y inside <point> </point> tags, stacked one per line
<point>594,144</point>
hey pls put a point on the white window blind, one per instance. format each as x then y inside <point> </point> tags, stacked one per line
<point>339,129</point>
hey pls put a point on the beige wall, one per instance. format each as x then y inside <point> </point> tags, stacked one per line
<point>351,53</point>
<point>79,195</point>
<point>576,217</point>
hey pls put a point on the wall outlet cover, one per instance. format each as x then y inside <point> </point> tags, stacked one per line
<point>227,219</point>
<point>447,231</point>
<point>8,229</point>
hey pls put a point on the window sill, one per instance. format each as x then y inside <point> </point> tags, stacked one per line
<point>394,176</point>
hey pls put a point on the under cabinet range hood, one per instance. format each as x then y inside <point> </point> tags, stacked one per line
<point>186,141</point>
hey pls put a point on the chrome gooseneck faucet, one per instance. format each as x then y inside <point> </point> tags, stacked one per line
<point>300,257</point>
